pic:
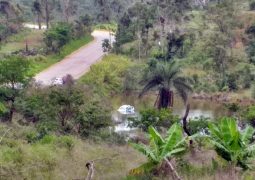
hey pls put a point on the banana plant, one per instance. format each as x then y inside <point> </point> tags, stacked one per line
<point>160,150</point>
<point>232,144</point>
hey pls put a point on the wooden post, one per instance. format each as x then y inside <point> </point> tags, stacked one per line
<point>91,168</point>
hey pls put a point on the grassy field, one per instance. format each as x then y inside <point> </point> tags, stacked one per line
<point>18,42</point>
<point>107,75</point>
<point>61,157</point>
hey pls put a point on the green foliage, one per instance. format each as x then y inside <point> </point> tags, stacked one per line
<point>107,76</point>
<point>249,115</point>
<point>253,91</point>
<point>57,36</point>
<point>13,77</point>
<point>198,125</point>
<point>231,144</point>
<point>107,26</point>
<point>162,118</point>
<point>160,149</point>
<point>231,82</point>
<point>133,76</point>
<point>106,45</point>
<point>165,76</point>
<point>41,63</point>
<point>95,116</point>
<point>64,109</point>
<point>252,5</point>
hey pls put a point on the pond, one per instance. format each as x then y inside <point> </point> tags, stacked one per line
<point>205,108</point>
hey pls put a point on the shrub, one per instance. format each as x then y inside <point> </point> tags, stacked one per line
<point>231,82</point>
<point>198,125</point>
<point>57,36</point>
<point>66,141</point>
<point>163,118</point>
<point>252,5</point>
<point>107,76</point>
<point>253,91</point>
<point>250,115</point>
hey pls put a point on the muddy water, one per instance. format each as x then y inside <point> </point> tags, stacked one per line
<point>198,108</point>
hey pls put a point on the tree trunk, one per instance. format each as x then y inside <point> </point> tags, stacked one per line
<point>173,169</point>
<point>185,123</point>
<point>11,112</point>
<point>164,98</point>
<point>39,21</point>
<point>47,14</point>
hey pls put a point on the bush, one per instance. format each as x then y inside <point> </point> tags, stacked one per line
<point>253,91</point>
<point>57,36</point>
<point>107,76</point>
<point>252,5</point>
<point>163,118</point>
<point>231,82</point>
<point>249,115</point>
<point>198,125</point>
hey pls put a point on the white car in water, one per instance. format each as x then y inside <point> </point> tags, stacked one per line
<point>57,81</point>
<point>126,109</point>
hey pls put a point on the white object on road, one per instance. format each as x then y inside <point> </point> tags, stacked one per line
<point>126,109</point>
<point>57,81</point>
<point>78,63</point>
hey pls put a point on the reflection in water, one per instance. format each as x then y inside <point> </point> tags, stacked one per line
<point>208,109</point>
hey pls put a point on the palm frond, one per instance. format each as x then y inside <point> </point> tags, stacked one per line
<point>247,134</point>
<point>152,83</point>
<point>182,88</point>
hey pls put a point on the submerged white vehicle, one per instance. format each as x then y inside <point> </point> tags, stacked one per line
<point>126,109</point>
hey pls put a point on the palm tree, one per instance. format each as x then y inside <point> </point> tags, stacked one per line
<point>165,77</point>
<point>232,144</point>
<point>161,150</point>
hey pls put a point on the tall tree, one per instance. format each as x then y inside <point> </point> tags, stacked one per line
<point>68,8</point>
<point>37,10</point>
<point>8,10</point>
<point>165,77</point>
<point>48,6</point>
<point>13,76</point>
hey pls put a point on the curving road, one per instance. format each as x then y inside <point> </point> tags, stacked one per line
<point>77,63</point>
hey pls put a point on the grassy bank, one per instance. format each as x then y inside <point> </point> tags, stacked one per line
<point>18,41</point>
<point>107,76</point>
<point>60,157</point>
<point>40,63</point>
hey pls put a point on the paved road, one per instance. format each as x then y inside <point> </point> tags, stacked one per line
<point>76,64</point>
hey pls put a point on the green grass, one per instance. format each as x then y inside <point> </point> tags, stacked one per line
<point>34,38</point>
<point>42,63</point>
<point>107,76</point>
<point>61,157</point>
<point>107,26</point>
<point>18,41</point>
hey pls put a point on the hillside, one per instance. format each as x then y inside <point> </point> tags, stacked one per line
<point>127,90</point>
